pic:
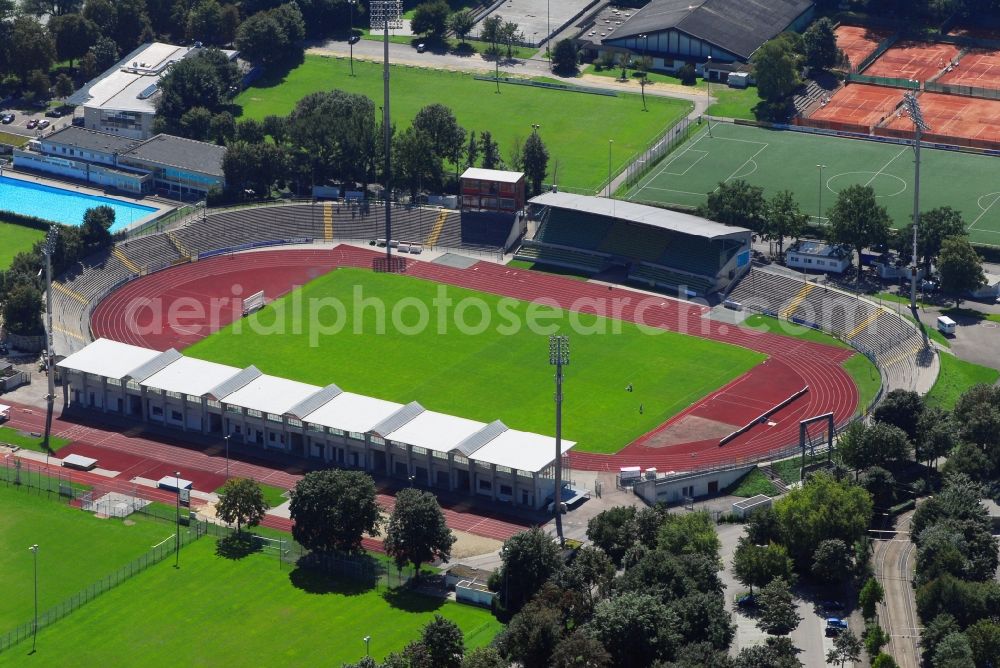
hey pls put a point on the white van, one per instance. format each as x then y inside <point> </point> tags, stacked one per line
<point>945,325</point>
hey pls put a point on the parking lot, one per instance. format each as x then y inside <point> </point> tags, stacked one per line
<point>33,122</point>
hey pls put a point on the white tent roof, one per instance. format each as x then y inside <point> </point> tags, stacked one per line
<point>190,376</point>
<point>436,431</point>
<point>352,412</point>
<point>270,394</point>
<point>108,358</point>
<point>520,450</point>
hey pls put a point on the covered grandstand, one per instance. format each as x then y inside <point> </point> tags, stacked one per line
<point>656,247</point>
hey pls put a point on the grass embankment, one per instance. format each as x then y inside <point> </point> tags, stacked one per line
<point>956,377</point>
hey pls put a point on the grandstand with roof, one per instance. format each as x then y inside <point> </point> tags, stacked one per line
<point>655,247</point>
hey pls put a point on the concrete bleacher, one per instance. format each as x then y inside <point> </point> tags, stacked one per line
<point>149,252</point>
<point>561,256</point>
<point>666,278</point>
<point>640,242</point>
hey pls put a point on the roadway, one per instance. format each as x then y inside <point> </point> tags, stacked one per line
<point>894,562</point>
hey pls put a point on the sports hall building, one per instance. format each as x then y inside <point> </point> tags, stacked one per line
<point>324,424</point>
<point>655,247</point>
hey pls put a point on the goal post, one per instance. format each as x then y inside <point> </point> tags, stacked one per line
<point>254,302</point>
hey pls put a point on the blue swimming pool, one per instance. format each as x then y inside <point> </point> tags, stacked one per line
<point>63,206</point>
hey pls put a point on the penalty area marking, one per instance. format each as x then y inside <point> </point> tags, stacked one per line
<point>984,209</point>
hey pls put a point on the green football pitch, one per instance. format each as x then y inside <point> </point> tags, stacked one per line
<point>215,611</point>
<point>778,160</point>
<point>501,372</point>
<point>575,126</point>
<point>75,549</point>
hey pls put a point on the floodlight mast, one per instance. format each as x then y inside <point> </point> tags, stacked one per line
<point>919,127</point>
<point>558,357</point>
<point>386,14</point>
<point>48,249</point>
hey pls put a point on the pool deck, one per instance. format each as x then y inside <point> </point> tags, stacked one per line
<point>162,206</point>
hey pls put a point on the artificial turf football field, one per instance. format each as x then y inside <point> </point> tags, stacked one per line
<point>75,550</point>
<point>484,376</point>
<point>215,611</point>
<point>574,126</point>
<point>786,160</point>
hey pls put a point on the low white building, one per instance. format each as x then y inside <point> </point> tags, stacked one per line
<point>990,290</point>
<point>326,424</point>
<point>819,256</point>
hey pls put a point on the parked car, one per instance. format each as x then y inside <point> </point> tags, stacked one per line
<point>32,124</point>
<point>7,119</point>
<point>835,626</point>
<point>43,124</point>
<point>56,112</point>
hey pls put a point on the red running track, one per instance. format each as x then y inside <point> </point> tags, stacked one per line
<point>792,363</point>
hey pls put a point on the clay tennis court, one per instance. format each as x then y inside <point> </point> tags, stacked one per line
<point>913,60</point>
<point>957,116</point>
<point>859,104</point>
<point>979,68</point>
<point>857,42</point>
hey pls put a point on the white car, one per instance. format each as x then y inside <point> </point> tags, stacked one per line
<point>421,47</point>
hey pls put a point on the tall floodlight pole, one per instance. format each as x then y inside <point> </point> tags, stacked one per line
<point>177,543</point>
<point>708,93</point>
<point>34,625</point>
<point>919,127</point>
<point>48,249</point>
<point>558,357</point>
<point>386,14</point>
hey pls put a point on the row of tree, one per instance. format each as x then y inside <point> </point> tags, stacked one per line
<point>22,283</point>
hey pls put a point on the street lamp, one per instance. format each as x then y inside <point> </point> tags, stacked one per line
<point>177,543</point>
<point>610,144</point>
<point>367,640</point>
<point>819,209</point>
<point>708,91</point>
<point>558,357</point>
<point>351,4</point>
<point>919,127</point>
<point>34,625</point>
<point>226,438</point>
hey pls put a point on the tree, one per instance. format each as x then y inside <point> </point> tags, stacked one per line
<point>95,233</point>
<point>491,151</point>
<point>196,123</point>
<point>444,642</point>
<point>883,660</point>
<point>776,66</point>
<point>774,653</point>
<point>613,530</point>
<point>446,136</point>
<point>903,409</point>
<point>333,509</point>
<point>846,647</point>
<point>484,657</point>
<point>953,652</point>
<point>102,13</point>
<point>472,150</point>
<point>984,640</point>
<point>461,23</point>
<point>54,8</point>
<point>131,24</point>
<point>336,132</point>
<point>783,218</point>
<point>73,36</point>
<point>510,33</point>
<point>491,31</point>
<point>415,162</point>
<point>222,128</point>
<point>207,79</point>
<point>635,629</point>
<point>689,533</point>
<point>804,520</point>
<point>939,628</point>
<point>22,311</point>
<point>862,446</point>
<point>528,559</point>
<point>869,597</point>
<point>832,561</point>
<point>935,435</point>
<point>756,565</point>
<point>536,161</point>
<point>261,39</point>
<point>875,638</point>
<point>105,53</point>
<point>579,650</point>
<point>242,501</point>
<point>935,226</point>
<point>858,220</point>
<point>961,268</point>
<point>39,84</point>
<point>777,609</point>
<point>820,45</point>
<point>591,573</point>
<point>564,58</point>
<point>31,47</point>
<point>430,18</point>
<point>532,635</point>
<point>416,532</point>
<point>736,203</point>
<point>880,483</point>
<point>63,86</point>
<point>204,22</point>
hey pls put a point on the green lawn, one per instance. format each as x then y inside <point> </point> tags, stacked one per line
<point>16,239</point>
<point>866,376</point>
<point>766,323</point>
<point>752,484</point>
<point>214,611</point>
<point>75,550</point>
<point>790,470</point>
<point>777,160</point>
<point>273,495</point>
<point>11,436</point>
<point>577,140</point>
<point>12,139</point>
<point>955,378</point>
<point>500,372</point>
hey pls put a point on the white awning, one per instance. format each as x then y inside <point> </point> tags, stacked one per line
<point>270,394</point>
<point>521,450</point>
<point>108,358</point>
<point>352,412</point>
<point>497,175</point>
<point>190,376</point>
<point>435,431</point>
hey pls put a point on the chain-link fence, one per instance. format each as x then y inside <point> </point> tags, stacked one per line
<point>664,144</point>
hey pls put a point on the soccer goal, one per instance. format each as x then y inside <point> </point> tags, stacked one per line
<point>254,302</point>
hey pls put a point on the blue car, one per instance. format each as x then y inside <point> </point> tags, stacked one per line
<point>835,626</point>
